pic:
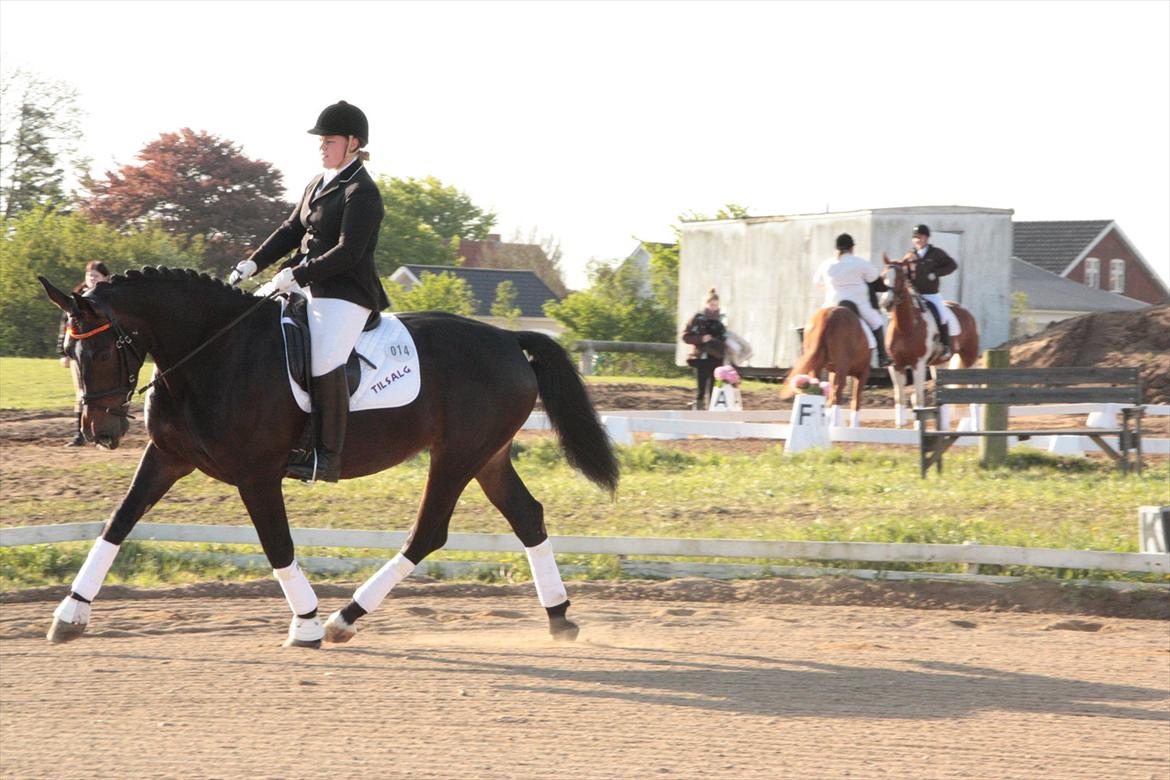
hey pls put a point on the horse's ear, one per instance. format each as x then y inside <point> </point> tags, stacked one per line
<point>60,299</point>
<point>83,306</point>
<point>885,259</point>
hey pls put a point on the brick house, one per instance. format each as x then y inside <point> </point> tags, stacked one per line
<point>494,253</point>
<point>1095,253</point>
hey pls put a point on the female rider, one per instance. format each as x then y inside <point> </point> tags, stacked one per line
<point>334,230</point>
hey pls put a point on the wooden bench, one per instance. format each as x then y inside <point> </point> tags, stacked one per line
<point>1022,386</point>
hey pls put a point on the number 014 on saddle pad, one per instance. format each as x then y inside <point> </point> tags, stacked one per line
<point>382,371</point>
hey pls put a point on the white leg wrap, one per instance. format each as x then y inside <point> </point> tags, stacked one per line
<point>72,611</point>
<point>545,574</point>
<point>301,598</point>
<point>93,572</point>
<point>376,588</point>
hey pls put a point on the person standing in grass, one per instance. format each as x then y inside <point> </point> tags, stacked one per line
<point>707,335</point>
<point>95,272</point>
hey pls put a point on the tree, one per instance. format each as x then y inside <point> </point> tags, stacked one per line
<point>434,292</point>
<point>664,274</point>
<point>729,211</point>
<point>49,243</point>
<point>424,221</point>
<point>195,185</point>
<point>505,304</point>
<point>40,133</point>
<point>611,309</point>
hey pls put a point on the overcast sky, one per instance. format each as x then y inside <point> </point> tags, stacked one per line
<point>598,122</point>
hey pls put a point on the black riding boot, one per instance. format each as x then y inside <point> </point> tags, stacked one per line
<point>880,337</point>
<point>331,399</point>
<point>944,336</point>
<point>79,437</point>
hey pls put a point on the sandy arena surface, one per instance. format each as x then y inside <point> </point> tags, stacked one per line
<point>462,682</point>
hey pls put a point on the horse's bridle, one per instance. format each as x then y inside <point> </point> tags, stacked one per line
<point>130,362</point>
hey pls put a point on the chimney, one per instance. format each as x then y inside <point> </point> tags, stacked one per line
<point>494,238</point>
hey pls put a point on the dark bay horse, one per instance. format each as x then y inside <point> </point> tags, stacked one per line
<point>834,341</point>
<point>229,413</point>
<point>912,336</point>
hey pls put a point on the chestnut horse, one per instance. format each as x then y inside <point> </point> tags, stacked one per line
<point>230,414</point>
<point>913,337</point>
<point>834,340</point>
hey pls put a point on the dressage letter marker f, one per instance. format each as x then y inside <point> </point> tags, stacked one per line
<point>805,411</point>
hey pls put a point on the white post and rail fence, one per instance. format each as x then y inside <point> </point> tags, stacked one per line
<point>1155,561</point>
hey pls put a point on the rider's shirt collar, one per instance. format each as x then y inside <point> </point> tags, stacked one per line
<point>332,173</point>
<point>922,252</point>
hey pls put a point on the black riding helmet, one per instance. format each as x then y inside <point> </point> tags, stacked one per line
<point>844,242</point>
<point>342,118</point>
<point>921,230</point>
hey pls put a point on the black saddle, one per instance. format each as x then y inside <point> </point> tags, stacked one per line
<point>850,305</point>
<point>295,323</point>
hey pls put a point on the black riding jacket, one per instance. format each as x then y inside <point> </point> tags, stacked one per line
<point>337,229</point>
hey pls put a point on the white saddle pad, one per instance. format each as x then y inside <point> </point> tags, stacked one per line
<point>394,381</point>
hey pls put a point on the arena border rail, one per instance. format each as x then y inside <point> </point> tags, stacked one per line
<point>876,552</point>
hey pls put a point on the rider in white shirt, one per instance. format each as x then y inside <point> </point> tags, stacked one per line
<point>847,278</point>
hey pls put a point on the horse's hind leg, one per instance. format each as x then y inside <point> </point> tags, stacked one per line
<point>507,492</point>
<point>265,503</point>
<point>855,403</point>
<point>445,483</point>
<point>155,475</point>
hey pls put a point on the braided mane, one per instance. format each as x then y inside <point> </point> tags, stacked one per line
<point>182,275</point>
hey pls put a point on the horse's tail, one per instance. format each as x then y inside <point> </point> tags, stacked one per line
<point>586,445</point>
<point>814,352</point>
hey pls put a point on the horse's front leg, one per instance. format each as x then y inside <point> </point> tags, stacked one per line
<point>156,473</point>
<point>919,386</point>
<point>898,379</point>
<point>264,500</point>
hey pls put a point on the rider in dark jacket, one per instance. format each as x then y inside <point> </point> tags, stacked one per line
<point>925,264</point>
<point>334,230</point>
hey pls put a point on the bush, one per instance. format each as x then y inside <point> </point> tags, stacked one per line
<point>57,246</point>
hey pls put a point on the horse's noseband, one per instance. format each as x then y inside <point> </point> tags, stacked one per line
<point>124,342</point>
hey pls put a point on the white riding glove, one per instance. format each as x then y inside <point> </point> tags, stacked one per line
<point>242,271</point>
<point>284,280</point>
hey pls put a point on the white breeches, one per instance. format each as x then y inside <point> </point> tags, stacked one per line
<point>869,314</point>
<point>948,316</point>
<point>334,327</point>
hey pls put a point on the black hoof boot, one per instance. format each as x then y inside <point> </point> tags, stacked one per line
<point>561,628</point>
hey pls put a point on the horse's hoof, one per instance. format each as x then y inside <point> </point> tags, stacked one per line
<point>563,630</point>
<point>314,644</point>
<point>62,631</point>
<point>337,630</point>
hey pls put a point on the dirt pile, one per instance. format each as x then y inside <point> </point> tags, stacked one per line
<point>1121,339</point>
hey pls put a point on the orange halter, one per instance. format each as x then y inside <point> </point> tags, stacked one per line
<point>87,334</point>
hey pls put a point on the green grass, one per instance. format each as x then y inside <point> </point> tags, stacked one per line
<point>34,383</point>
<point>849,494</point>
<point>42,383</point>
<point>859,494</point>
